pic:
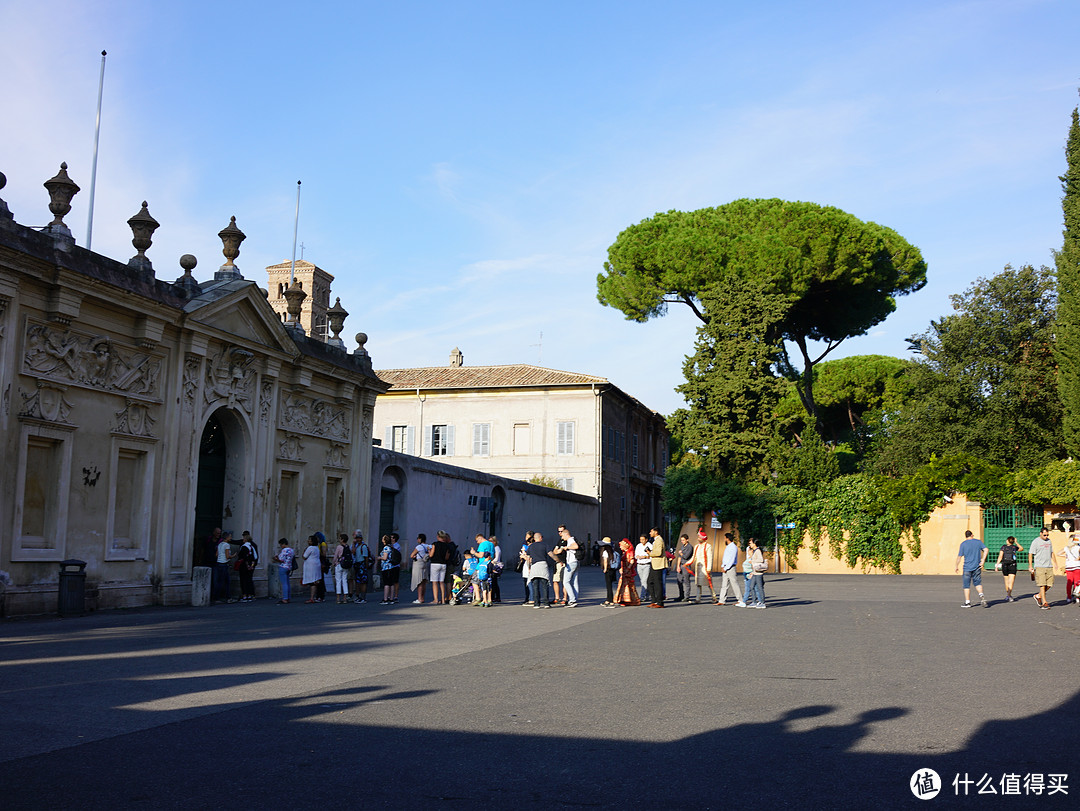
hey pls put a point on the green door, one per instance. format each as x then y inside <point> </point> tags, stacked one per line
<point>1023,523</point>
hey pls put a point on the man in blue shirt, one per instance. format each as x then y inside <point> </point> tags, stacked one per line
<point>973,555</point>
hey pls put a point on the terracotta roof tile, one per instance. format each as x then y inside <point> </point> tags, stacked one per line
<point>479,377</point>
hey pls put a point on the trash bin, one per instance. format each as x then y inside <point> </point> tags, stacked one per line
<point>72,595</point>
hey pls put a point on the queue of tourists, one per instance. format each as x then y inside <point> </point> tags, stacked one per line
<point>441,573</point>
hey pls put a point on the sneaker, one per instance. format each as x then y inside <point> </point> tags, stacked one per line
<point>384,602</point>
<point>1038,602</point>
<point>982,601</point>
<point>1044,606</point>
<point>417,602</point>
<point>758,605</point>
<point>740,604</point>
<point>568,605</point>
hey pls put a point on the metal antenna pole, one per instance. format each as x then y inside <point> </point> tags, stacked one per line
<point>93,168</point>
<point>296,226</point>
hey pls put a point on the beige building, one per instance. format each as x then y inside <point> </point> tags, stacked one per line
<point>138,414</point>
<point>520,422</point>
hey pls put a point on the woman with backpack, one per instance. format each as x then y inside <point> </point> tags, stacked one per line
<point>1007,563</point>
<point>343,561</point>
<point>390,564</point>
<point>246,560</point>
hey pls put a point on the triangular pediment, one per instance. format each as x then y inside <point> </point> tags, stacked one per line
<point>240,309</point>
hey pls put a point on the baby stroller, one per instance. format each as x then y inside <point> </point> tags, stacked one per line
<point>461,590</point>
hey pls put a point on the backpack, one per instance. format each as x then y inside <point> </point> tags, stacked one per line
<point>295,565</point>
<point>346,560</point>
<point>395,557</point>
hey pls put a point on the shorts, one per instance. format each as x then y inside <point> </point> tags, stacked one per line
<point>1044,576</point>
<point>390,577</point>
<point>972,578</point>
<point>1008,568</point>
<point>437,572</point>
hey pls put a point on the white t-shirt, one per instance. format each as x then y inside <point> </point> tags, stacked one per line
<point>223,552</point>
<point>571,554</point>
<point>1072,557</point>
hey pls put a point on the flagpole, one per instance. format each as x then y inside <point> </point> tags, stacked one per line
<point>296,226</point>
<point>93,169</point>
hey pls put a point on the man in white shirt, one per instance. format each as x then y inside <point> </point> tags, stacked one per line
<point>641,556</point>
<point>728,573</point>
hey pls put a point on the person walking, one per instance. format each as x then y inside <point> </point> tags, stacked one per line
<point>1071,553</point>
<point>701,566</point>
<point>972,555</point>
<point>728,574</point>
<point>1043,566</point>
<point>1007,561</point>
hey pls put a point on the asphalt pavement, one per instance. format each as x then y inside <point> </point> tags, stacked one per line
<point>839,694</point>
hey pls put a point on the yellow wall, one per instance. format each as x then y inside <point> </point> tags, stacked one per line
<point>941,536</point>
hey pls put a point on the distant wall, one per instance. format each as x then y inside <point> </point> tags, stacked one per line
<point>428,496</point>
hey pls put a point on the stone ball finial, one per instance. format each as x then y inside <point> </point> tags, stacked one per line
<point>187,282</point>
<point>361,339</point>
<point>5,213</point>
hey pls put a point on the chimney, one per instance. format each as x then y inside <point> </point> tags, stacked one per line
<point>456,358</point>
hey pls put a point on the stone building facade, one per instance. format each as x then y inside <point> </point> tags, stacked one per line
<point>521,421</point>
<point>138,414</point>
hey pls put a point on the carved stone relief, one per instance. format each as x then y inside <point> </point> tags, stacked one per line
<point>93,361</point>
<point>317,417</point>
<point>134,419</point>
<point>191,380</point>
<point>230,375</point>
<point>3,311</point>
<point>336,455</point>
<point>46,403</point>
<point>265,399</point>
<point>290,447</point>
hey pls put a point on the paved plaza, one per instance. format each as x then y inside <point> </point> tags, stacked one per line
<point>835,696</point>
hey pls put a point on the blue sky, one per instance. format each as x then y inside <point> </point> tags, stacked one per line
<point>465,165</point>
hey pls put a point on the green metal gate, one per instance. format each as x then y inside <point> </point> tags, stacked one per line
<point>999,523</point>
